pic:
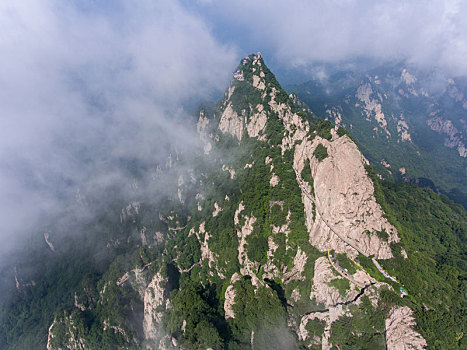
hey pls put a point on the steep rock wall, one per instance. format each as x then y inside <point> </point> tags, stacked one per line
<point>344,198</point>
<point>399,331</point>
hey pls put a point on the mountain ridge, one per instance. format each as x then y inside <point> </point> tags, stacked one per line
<point>277,234</point>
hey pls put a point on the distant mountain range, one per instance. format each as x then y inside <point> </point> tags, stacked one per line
<point>410,124</point>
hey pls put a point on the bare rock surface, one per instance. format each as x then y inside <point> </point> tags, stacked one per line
<point>206,252</point>
<point>73,341</point>
<point>248,267</point>
<point>202,128</point>
<point>230,297</point>
<point>257,122</point>
<point>274,181</point>
<point>50,336</point>
<point>231,122</point>
<point>296,272</point>
<point>47,240</point>
<point>322,291</point>
<point>344,197</point>
<point>217,209</point>
<point>399,331</point>
<point>154,299</point>
<point>328,317</point>
<point>372,106</point>
<point>258,82</point>
<point>403,129</point>
<point>230,170</point>
<point>454,137</point>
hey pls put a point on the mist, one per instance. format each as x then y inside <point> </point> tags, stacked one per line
<point>87,86</point>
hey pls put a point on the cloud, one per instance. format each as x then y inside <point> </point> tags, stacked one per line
<point>301,32</point>
<point>87,84</point>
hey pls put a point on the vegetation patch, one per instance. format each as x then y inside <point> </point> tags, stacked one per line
<point>383,235</point>
<point>341,284</point>
<point>306,175</point>
<point>323,128</point>
<point>321,152</point>
<point>257,247</point>
<point>346,263</point>
<point>363,330</point>
<point>315,328</point>
<point>277,215</point>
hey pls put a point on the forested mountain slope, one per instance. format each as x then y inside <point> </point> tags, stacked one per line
<point>410,123</point>
<point>278,235</point>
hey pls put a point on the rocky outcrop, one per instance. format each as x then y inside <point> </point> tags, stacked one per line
<point>403,129</point>
<point>129,212</point>
<point>274,181</point>
<point>322,291</point>
<point>202,128</point>
<point>78,304</point>
<point>50,336</point>
<point>248,267</point>
<point>344,199</point>
<point>252,119</point>
<point>273,268</point>
<point>230,297</point>
<point>408,78</point>
<point>332,315</point>
<point>154,304</point>
<point>217,210</point>
<point>296,128</point>
<point>206,252</point>
<point>327,295</point>
<point>257,122</point>
<point>372,106</point>
<point>234,124</point>
<point>454,139</point>
<point>237,213</point>
<point>334,303</point>
<point>115,329</point>
<point>335,114</point>
<point>258,82</point>
<point>231,122</point>
<point>73,340</point>
<point>230,170</point>
<point>47,240</point>
<point>399,330</point>
<point>19,282</point>
<point>296,272</point>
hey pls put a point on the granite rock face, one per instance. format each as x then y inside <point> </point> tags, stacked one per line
<point>344,199</point>
<point>399,331</point>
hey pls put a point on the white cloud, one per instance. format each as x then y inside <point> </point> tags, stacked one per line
<point>83,84</point>
<point>302,32</point>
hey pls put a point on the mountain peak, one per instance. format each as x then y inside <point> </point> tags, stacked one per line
<point>251,70</point>
<point>252,97</point>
